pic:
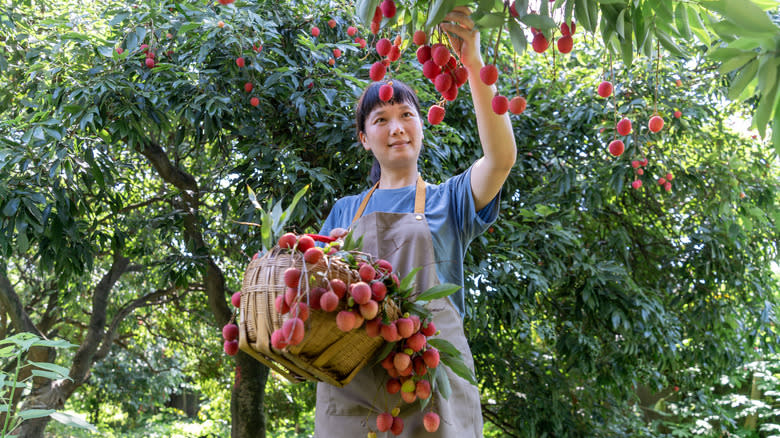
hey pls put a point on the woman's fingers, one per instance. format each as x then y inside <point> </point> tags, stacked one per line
<point>338,232</point>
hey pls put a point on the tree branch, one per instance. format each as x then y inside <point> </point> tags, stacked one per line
<point>10,301</point>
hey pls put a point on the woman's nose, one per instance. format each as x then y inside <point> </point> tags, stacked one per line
<point>396,127</point>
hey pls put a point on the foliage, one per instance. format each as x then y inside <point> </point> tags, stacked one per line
<point>12,350</point>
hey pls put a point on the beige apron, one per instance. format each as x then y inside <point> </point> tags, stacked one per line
<point>404,240</point>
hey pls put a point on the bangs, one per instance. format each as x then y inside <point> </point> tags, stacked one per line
<point>370,100</point>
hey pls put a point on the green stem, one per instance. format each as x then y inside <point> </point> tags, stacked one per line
<point>13,389</point>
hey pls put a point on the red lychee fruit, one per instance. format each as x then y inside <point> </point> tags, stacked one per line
<point>315,296</point>
<point>301,311</point>
<point>329,301</point>
<point>488,74</point>
<point>377,71</point>
<point>312,255</point>
<point>248,87</point>
<point>292,277</point>
<point>235,299</point>
<point>461,76</point>
<point>451,93</point>
<point>440,54</point>
<point>637,184</point>
<point>361,42</point>
<point>384,421</point>
<point>305,243</point>
<point>661,181</point>
<point>513,10</point>
<point>345,320</point>
<point>337,53</point>
<point>369,310</point>
<point>367,272</point>
<point>643,162</point>
<point>398,426</point>
<point>387,362</point>
<point>678,83</point>
<point>293,331</point>
<point>500,104</point>
<point>540,43</point>
<point>677,114</point>
<point>419,37</point>
<point>431,357</point>
<point>405,327</point>
<point>230,332</point>
<point>383,47</point>
<point>565,43</point>
<point>393,386</point>
<point>280,304</point>
<point>378,290</point>
<point>431,70</point>
<point>565,29</point>
<point>423,53</point>
<point>624,126</point>
<point>254,101</point>
<point>429,329</point>
<point>416,322</point>
<point>635,164</point>
<point>119,50</point>
<point>416,341</point>
<point>420,369</point>
<point>435,114</point>
<point>395,53</point>
<point>669,176</point>
<point>290,296</point>
<point>390,332</point>
<point>616,147</point>
<point>287,240</point>
<point>442,82</point>
<point>401,361</point>
<point>230,347</point>
<point>240,61</point>
<point>277,339</point>
<point>332,23</point>
<point>655,124</point>
<point>640,172</point>
<point>384,267</point>
<point>668,186</point>
<point>315,31</point>
<point>388,8</point>
<point>351,31</point>
<point>386,92</point>
<point>373,327</point>
<point>408,397</point>
<point>331,61</point>
<point>517,105</point>
<point>605,89</point>
<point>423,389</point>
<point>149,62</point>
<point>339,287</point>
<point>360,292</point>
<point>431,421</point>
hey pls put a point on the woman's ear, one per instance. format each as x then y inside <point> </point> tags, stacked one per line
<point>362,138</point>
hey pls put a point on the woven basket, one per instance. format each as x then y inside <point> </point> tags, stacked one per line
<point>326,353</point>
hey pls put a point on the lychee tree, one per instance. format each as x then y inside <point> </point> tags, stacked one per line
<point>739,35</point>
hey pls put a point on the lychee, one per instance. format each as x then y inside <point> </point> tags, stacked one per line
<point>345,320</point>
<point>367,272</point>
<point>373,326</point>
<point>240,61</point>
<point>431,421</point>
<point>315,31</point>
<point>339,287</point>
<point>230,347</point>
<point>293,331</point>
<point>423,53</point>
<point>312,255</point>
<point>605,89</point>
<point>389,332</point>
<point>500,104</point>
<point>435,114</point>
<point>388,8</point>
<point>248,87</point>
<point>440,54</point>
<point>280,304</point>
<point>287,240</point>
<point>351,31</point>
<point>565,43</point>
<point>488,74</point>
<point>384,421</point>
<point>419,37</point>
<point>369,310</point>
<point>229,332</point>
<point>292,277</point>
<point>416,341</point>
<point>377,71</point>
<point>637,184</point>
<point>332,23</point>
<point>677,114</point>
<point>624,126</point>
<point>517,105</point>
<point>393,386</point>
<point>277,339</point>
<point>383,47</point>
<point>405,327</point>
<point>378,290</point>
<point>423,389</point>
<point>235,299</point>
<point>442,82</point>
<point>360,292</point>
<point>254,101</point>
<point>329,301</point>
<point>655,124</point>
<point>398,426</point>
<point>301,311</point>
<point>431,69</point>
<point>616,147</point>
<point>431,357</point>
<point>428,329</point>
<point>540,43</point>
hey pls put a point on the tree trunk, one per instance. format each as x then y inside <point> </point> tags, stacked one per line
<point>246,402</point>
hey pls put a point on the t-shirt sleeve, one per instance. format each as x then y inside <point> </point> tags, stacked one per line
<point>334,219</point>
<point>471,222</point>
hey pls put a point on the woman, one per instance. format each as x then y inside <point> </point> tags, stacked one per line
<point>412,224</point>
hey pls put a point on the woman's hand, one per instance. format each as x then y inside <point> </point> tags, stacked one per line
<point>458,23</point>
<point>338,233</point>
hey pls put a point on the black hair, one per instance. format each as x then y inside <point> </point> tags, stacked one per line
<point>369,100</point>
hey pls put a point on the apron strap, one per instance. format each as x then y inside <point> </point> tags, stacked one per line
<point>419,198</point>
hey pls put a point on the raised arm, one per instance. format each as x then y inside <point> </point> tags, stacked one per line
<point>495,131</point>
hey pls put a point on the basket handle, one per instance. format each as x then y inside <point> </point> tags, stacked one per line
<point>321,238</point>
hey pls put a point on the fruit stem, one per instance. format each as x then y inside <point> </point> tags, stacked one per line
<point>655,97</point>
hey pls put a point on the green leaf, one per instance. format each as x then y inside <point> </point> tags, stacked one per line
<point>540,22</point>
<point>186,27</point>
<point>490,20</point>
<point>721,54</point>
<point>745,14</point>
<point>581,14</point>
<point>456,364</point>
<point>73,420</point>
<point>736,62</point>
<point>408,280</point>
<point>669,44</point>
<point>366,9</point>
<point>444,346</point>
<point>443,383</point>
<point>776,133</point>
<point>767,72</point>
<point>288,211</point>
<point>62,371</point>
<point>439,9</point>
<point>744,77</point>
<point>516,34</point>
<point>34,413</point>
<point>438,291</point>
<point>681,20</point>
<point>764,110</point>
<point>384,351</point>
<point>11,207</point>
<point>619,25</point>
<point>253,198</point>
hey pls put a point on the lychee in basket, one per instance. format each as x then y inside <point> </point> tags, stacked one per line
<point>282,322</point>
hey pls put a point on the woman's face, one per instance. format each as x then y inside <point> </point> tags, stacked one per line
<point>393,133</point>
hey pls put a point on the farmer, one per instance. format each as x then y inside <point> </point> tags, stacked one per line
<point>413,224</point>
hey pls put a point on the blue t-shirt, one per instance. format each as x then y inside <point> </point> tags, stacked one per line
<point>449,211</point>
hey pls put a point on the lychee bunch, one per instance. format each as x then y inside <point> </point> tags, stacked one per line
<point>441,67</point>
